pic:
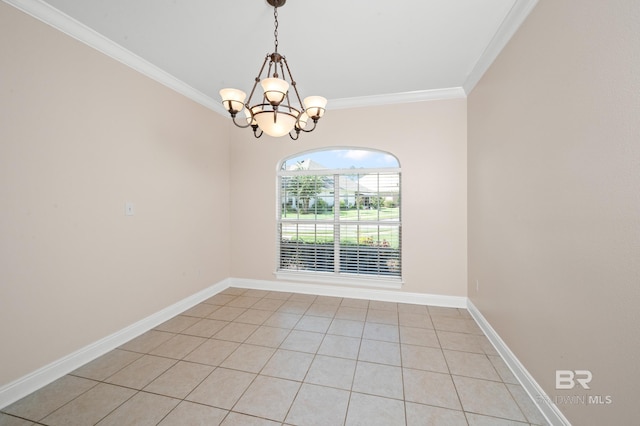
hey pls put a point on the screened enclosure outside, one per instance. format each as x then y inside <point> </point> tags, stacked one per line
<point>340,221</point>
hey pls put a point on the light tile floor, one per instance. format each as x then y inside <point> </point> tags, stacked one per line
<point>253,357</point>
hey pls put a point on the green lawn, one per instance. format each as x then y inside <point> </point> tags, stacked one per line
<point>384,213</point>
<point>349,233</point>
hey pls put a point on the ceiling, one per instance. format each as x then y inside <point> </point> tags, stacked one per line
<point>354,53</point>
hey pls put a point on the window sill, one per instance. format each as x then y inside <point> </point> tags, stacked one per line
<point>339,279</point>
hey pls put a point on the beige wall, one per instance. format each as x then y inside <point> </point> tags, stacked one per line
<point>554,211</point>
<point>80,134</point>
<point>429,139</point>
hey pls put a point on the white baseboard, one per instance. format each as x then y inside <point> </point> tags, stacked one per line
<point>43,376</point>
<point>352,292</point>
<point>546,406</point>
<point>47,374</point>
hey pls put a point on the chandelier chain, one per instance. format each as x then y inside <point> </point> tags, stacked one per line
<point>275,31</point>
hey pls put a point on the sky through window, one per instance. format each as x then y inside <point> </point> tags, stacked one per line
<point>347,159</point>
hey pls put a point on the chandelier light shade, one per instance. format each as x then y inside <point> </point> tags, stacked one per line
<point>275,114</point>
<point>274,123</point>
<point>275,90</point>
<point>233,99</point>
<point>315,106</point>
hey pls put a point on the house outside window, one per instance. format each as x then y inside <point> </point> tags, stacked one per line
<point>339,216</point>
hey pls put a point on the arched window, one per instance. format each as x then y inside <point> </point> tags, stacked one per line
<point>339,214</point>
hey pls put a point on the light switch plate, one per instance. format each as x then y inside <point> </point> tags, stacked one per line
<point>128,208</point>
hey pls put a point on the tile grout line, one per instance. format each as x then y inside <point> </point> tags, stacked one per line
<point>256,376</point>
<point>379,320</point>
<point>404,395</point>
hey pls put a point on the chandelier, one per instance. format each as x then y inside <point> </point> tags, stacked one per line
<point>274,114</point>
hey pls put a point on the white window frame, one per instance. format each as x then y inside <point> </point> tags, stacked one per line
<point>337,277</point>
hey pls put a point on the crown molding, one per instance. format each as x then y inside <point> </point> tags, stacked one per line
<point>75,29</point>
<point>398,98</point>
<point>509,26</point>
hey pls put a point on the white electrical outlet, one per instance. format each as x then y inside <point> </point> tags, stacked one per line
<point>128,208</point>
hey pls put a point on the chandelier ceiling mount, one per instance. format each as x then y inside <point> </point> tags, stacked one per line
<point>276,3</point>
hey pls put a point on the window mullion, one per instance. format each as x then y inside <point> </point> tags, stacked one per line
<point>336,223</point>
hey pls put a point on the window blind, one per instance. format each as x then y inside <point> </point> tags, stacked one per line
<point>340,222</point>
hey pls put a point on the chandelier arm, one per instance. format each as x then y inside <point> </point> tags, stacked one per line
<point>293,83</point>
<point>255,131</point>
<point>297,135</point>
<point>315,122</point>
<point>275,73</point>
<point>242,126</point>
<point>255,83</point>
<point>284,74</point>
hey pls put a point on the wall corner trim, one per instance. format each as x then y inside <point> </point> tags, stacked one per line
<point>35,380</point>
<point>544,403</point>
<point>507,29</point>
